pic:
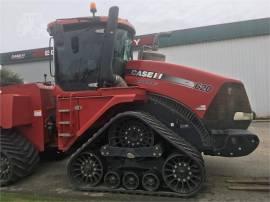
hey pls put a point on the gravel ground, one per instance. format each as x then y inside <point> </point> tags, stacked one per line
<point>50,178</point>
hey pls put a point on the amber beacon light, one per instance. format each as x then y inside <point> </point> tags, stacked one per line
<point>93,8</point>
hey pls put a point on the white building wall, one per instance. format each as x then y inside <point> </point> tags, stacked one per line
<point>246,59</point>
<point>31,71</point>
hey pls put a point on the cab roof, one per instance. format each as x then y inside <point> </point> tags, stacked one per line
<point>92,20</point>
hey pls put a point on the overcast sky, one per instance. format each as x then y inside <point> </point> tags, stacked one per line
<point>23,23</point>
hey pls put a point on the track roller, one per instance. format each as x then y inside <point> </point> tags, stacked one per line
<point>112,179</point>
<point>150,181</point>
<point>130,180</point>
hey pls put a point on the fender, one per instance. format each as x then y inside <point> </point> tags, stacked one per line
<point>180,119</point>
<point>83,110</point>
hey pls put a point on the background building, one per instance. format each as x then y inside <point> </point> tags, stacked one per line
<point>240,50</point>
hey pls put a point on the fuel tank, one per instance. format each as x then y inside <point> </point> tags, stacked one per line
<point>220,102</point>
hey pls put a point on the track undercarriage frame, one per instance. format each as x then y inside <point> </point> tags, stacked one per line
<point>170,164</point>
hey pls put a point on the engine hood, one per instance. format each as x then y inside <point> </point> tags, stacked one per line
<point>192,87</point>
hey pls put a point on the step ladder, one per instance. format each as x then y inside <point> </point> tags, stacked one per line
<point>65,119</point>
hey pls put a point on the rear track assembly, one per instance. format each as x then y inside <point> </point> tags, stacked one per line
<point>18,157</point>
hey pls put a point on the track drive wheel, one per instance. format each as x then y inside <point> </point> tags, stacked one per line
<point>18,157</point>
<point>131,133</point>
<point>86,169</point>
<point>182,174</point>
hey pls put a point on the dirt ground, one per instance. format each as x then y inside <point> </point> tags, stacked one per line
<point>50,178</point>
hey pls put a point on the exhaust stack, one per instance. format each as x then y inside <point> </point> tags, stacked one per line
<point>106,73</point>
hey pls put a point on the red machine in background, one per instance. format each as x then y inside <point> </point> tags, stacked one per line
<point>137,124</point>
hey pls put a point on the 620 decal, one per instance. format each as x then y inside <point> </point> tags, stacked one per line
<point>203,87</point>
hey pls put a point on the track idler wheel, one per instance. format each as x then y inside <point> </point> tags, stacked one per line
<point>112,179</point>
<point>86,169</point>
<point>182,174</point>
<point>130,180</point>
<point>150,181</point>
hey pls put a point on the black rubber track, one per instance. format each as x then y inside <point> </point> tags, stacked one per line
<point>170,136</point>
<point>21,154</point>
<point>186,114</point>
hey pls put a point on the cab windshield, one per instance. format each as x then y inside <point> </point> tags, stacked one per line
<point>78,53</point>
<point>122,45</point>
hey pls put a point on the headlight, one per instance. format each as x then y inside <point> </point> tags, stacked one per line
<point>241,116</point>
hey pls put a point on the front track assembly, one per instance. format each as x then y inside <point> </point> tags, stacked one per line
<point>138,155</point>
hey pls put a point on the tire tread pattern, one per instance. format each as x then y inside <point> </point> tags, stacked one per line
<point>21,153</point>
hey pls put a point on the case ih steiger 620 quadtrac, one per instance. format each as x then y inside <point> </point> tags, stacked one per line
<point>133,126</point>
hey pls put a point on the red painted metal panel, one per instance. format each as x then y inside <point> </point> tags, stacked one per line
<point>82,109</point>
<point>103,19</point>
<point>189,96</point>
<point>34,112</point>
<point>15,110</point>
<point>89,109</point>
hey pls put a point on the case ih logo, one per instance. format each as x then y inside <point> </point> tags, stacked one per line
<point>146,74</point>
<point>177,80</point>
<point>17,56</point>
<point>28,55</point>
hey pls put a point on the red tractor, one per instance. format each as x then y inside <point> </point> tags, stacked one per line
<point>132,126</point>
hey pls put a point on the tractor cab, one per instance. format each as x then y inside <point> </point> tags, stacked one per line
<point>91,52</point>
